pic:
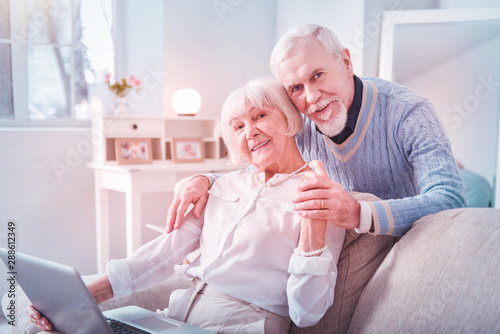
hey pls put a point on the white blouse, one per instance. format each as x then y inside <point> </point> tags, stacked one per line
<point>247,235</point>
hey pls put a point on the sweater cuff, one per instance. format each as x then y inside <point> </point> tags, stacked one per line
<point>311,265</point>
<point>383,220</point>
<point>365,218</point>
<point>210,177</point>
<point>119,277</point>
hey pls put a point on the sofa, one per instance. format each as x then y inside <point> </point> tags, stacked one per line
<point>443,276</point>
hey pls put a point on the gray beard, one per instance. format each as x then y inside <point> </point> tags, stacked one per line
<point>332,126</point>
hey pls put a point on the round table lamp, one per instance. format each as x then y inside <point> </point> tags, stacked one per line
<point>186,102</point>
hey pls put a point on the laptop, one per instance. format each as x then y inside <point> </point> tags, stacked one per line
<point>58,292</point>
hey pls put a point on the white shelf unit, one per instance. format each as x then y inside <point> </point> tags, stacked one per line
<point>106,129</point>
<point>183,127</point>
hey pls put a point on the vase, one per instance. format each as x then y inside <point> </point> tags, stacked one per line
<point>121,108</point>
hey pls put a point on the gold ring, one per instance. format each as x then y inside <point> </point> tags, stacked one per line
<point>322,204</point>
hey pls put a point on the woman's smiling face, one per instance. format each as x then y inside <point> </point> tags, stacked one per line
<point>261,140</point>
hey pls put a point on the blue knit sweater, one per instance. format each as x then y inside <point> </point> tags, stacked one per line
<point>398,151</point>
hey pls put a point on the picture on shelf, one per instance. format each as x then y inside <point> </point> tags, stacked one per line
<point>133,150</point>
<point>187,150</point>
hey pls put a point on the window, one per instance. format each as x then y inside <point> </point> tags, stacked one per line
<point>5,63</point>
<point>54,55</point>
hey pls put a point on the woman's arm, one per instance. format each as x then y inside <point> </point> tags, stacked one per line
<point>101,289</point>
<point>312,235</point>
<point>313,268</point>
<point>153,262</point>
<point>311,285</point>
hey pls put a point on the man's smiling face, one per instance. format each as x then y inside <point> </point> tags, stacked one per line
<point>319,85</point>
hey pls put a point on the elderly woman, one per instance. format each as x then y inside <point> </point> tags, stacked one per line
<point>261,264</point>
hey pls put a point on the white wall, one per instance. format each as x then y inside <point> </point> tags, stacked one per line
<point>368,39</point>
<point>215,47</point>
<point>468,3</point>
<point>54,215</point>
<point>344,18</point>
<point>139,52</point>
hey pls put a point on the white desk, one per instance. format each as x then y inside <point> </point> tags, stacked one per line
<point>134,180</point>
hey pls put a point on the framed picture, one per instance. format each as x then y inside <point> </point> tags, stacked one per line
<point>133,151</point>
<point>187,150</point>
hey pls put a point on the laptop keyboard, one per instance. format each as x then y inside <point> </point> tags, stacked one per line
<point>118,327</point>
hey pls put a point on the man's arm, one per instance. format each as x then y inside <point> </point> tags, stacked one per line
<point>195,191</point>
<point>427,150</point>
<point>421,136</point>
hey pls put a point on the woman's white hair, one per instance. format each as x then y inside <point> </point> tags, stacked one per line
<point>258,93</point>
<point>329,40</point>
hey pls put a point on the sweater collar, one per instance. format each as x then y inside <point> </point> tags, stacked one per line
<point>352,115</point>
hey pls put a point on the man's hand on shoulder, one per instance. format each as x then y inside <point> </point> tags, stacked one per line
<point>195,191</point>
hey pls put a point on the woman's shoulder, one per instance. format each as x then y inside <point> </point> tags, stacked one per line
<point>233,179</point>
<point>237,174</point>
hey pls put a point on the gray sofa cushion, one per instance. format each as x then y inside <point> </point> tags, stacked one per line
<point>441,277</point>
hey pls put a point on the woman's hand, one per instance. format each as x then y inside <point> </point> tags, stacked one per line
<point>38,320</point>
<point>318,197</point>
<point>100,289</point>
<point>195,191</point>
<point>312,231</point>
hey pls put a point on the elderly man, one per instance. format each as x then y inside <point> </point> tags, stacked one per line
<point>373,136</point>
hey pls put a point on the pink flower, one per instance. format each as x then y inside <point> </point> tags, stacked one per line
<point>122,86</point>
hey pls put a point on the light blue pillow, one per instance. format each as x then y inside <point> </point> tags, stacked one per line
<point>478,189</point>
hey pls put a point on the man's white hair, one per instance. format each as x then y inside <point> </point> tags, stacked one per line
<point>329,40</point>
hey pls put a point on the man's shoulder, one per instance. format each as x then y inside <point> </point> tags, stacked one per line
<point>391,90</point>
<point>385,86</point>
<point>308,130</point>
